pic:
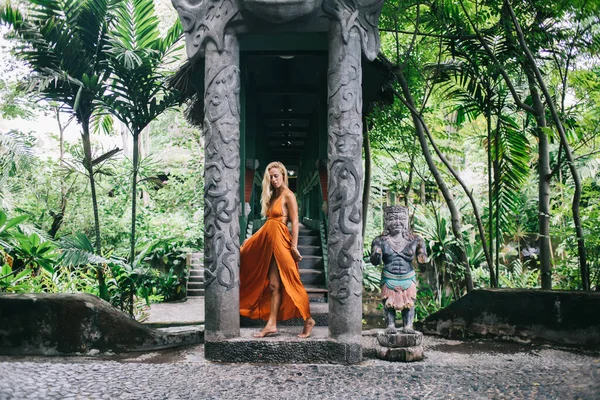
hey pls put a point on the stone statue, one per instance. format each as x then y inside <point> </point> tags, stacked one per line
<point>397,247</point>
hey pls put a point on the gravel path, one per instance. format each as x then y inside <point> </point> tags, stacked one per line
<point>451,370</point>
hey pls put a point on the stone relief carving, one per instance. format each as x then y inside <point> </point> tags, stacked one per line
<point>221,190</point>
<point>205,20</point>
<point>362,15</point>
<point>345,169</point>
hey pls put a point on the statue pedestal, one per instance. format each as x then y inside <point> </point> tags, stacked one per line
<point>399,346</point>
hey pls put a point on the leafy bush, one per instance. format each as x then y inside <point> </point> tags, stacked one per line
<point>371,274</point>
<point>428,302</point>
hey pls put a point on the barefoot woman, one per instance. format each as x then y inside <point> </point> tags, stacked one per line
<point>270,287</point>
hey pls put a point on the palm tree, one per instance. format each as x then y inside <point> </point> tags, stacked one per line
<point>478,91</point>
<point>63,43</point>
<point>138,56</point>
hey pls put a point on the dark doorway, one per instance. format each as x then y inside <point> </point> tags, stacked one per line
<point>285,107</point>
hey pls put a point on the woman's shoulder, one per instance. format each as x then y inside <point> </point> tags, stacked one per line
<point>288,194</point>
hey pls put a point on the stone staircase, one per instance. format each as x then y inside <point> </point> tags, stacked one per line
<point>195,286</point>
<point>311,267</point>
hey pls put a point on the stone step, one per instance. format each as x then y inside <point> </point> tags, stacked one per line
<point>309,250</point>
<point>312,277</point>
<point>196,256</point>
<point>197,272</point>
<point>195,285</point>
<point>308,232</point>
<point>309,241</point>
<point>195,292</point>
<point>311,262</point>
<point>196,279</point>
<point>317,294</point>
<point>319,311</point>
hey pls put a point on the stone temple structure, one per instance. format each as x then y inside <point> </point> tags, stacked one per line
<point>283,80</point>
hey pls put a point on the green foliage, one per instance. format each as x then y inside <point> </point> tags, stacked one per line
<point>168,258</point>
<point>517,275</point>
<point>77,251</point>
<point>15,155</point>
<point>8,233</point>
<point>138,56</point>
<point>371,277</point>
<point>434,227</point>
<point>14,282</point>
<point>33,253</point>
<point>429,302</point>
<point>172,285</point>
<point>139,92</point>
<point>60,41</point>
<point>25,251</point>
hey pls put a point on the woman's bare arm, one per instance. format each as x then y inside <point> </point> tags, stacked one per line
<point>292,208</point>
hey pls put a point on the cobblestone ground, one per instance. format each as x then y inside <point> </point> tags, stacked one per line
<point>461,370</point>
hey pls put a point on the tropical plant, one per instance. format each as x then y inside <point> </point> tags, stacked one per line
<point>7,230</point>
<point>13,282</point>
<point>429,302</point>
<point>371,277</point>
<point>445,272</point>
<point>63,42</point>
<point>30,252</point>
<point>15,155</point>
<point>139,93</point>
<point>517,275</point>
<point>25,251</point>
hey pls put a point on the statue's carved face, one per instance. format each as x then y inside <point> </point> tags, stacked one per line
<point>396,222</point>
<point>279,11</point>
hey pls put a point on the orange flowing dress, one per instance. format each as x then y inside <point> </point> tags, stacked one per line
<point>272,240</point>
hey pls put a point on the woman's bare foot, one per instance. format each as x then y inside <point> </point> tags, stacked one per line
<point>267,330</point>
<point>309,324</point>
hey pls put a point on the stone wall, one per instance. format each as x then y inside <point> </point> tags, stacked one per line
<point>561,317</point>
<point>54,324</point>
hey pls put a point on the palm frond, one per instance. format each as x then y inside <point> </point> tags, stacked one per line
<point>63,42</point>
<point>77,250</point>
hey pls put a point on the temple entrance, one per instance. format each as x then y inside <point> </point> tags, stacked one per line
<point>284,116</point>
<point>284,109</point>
<point>282,83</point>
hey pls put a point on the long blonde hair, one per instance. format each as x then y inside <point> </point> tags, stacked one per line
<point>267,190</point>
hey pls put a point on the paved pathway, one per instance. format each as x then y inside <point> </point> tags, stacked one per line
<point>452,370</point>
<point>189,312</point>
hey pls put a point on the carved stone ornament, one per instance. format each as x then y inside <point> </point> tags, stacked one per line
<point>222,165</point>
<point>362,15</point>
<point>344,129</point>
<point>205,20</point>
<point>280,11</point>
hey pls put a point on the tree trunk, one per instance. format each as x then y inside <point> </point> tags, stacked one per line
<point>136,154</point>
<point>496,170</point>
<point>531,62</point>
<point>87,151</point>
<point>144,147</point>
<point>544,188</point>
<point>455,214</point>
<point>367,182</point>
<point>58,217</point>
<point>490,242</point>
<point>408,191</point>
<point>124,131</point>
<point>468,192</point>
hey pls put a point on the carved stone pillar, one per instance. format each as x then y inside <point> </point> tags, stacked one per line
<point>207,35</point>
<point>221,190</point>
<point>345,184</point>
